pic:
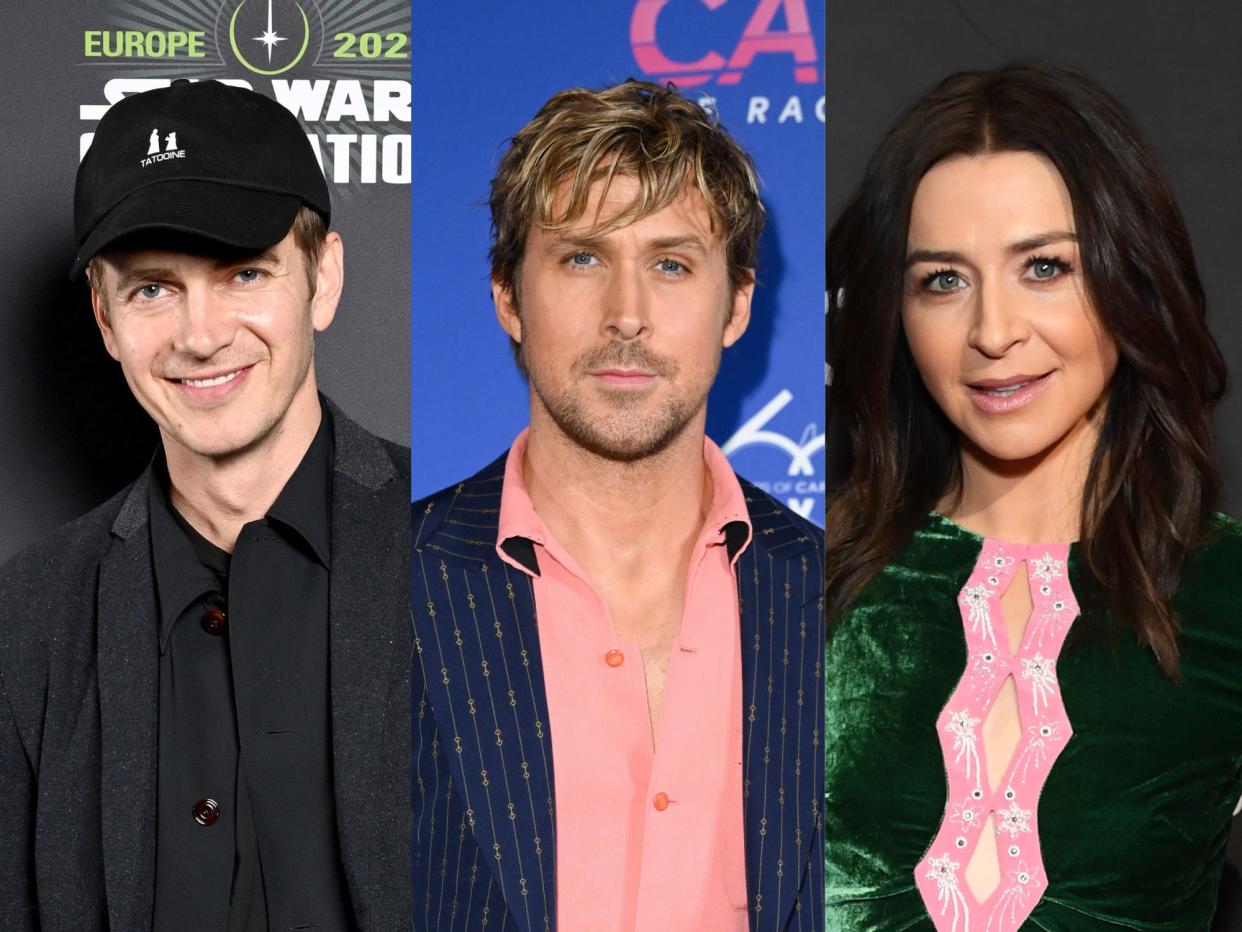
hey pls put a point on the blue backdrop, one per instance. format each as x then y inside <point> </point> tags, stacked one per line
<point>480,72</point>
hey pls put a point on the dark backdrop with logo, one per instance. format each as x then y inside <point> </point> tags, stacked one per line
<point>1176,67</point>
<point>759,64</point>
<point>71,433</point>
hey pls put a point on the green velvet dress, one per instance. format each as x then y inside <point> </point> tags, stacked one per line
<point>1134,817</point>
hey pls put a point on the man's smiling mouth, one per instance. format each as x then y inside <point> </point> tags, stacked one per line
<point>207,383</point>
<point>210,381</point>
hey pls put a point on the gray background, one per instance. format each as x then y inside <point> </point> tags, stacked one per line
<point>70,433</point>
<point>1176,66</point>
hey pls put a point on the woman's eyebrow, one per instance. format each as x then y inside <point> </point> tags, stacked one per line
<point>1023,245</point>
<point>933,255</point>
<point>1042,239</point>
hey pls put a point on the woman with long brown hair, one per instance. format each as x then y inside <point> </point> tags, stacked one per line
<point>1035,613</point>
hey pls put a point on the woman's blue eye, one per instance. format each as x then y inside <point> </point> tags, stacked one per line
<point>942,281</point>
<point>1045,269</point>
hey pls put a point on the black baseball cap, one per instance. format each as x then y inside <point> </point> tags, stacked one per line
<point>204,158</point>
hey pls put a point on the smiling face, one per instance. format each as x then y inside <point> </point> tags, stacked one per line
<point>621,332</point>
<point>996,311</point>
<point>219,348</point>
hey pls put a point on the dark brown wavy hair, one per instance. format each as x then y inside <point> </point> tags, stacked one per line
<point>1154,478</point>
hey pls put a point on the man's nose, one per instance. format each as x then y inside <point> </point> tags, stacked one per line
<point>205,323</point>
<point>625,305</point>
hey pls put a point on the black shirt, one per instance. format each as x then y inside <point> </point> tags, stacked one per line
<point>246,825</point>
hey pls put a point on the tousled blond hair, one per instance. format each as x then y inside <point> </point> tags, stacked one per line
<point>638,129</point>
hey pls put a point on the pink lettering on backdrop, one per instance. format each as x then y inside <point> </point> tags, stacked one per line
<point>758,38</point>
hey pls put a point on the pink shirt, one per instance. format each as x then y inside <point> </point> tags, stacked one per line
<point>647,838</point>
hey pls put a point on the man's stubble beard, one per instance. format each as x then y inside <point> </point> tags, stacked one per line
<point>625,432</point>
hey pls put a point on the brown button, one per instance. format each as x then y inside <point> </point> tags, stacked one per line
<point>614,658</point>
<point>660,801</point>
<point>206,811</point>
<point>215,622</point>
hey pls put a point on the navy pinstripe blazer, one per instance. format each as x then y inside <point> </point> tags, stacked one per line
<point>484,833</point>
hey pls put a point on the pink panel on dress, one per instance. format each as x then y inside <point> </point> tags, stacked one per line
<point>1045,732</point>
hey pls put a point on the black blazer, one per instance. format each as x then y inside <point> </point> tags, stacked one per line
<point>484,787</point>
<point>79,674</point>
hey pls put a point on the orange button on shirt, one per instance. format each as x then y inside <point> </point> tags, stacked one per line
<point>647,839</point>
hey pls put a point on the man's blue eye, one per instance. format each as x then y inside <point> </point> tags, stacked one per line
<point>149,291</point>
<point>581,258</point>
<point>248,275</point>
<point>671,265</point>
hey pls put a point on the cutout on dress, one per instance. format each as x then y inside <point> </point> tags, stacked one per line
<point>983,871</point>
<point>1002,732</point>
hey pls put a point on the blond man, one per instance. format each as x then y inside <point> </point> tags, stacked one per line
<point>644,756</point>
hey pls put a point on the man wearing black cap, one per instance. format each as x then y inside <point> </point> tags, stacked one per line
<point>204,683</point>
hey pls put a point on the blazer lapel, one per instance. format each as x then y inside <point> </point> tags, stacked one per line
<point>369,647</point>
<point>780,587</point>
<point>477,639</point>
<point>128,657</point>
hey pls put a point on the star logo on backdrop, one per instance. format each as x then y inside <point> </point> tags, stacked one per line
<point>270,37</point>
<point>282,54</point>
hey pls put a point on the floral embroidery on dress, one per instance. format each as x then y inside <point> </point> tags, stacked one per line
<point>1042,676</point>
<point>1035,750</point>
<point>1054,620</point>
<point>1013,820</point>
<point>966,815</point>
<point>1017,899</point>
<point>1046,568</point>
<point>984,667</point>
<point>1045,731</point>
<point>977,600</point>
<point>962,727</point>
<point>943,871</point>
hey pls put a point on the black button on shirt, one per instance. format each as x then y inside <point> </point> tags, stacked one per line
<point>246,824</point>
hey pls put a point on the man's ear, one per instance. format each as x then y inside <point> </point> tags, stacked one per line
<point>329,280</point>
<point>505,301</point>
<point>739,310</point>
<point>100,309</point>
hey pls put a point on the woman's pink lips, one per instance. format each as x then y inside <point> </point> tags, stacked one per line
<point>625,378</point>
<point>982,393</point>
<point>210,393</point>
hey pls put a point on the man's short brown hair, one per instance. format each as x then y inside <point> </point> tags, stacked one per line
<point>309,231</point>
<point>638,129</point>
